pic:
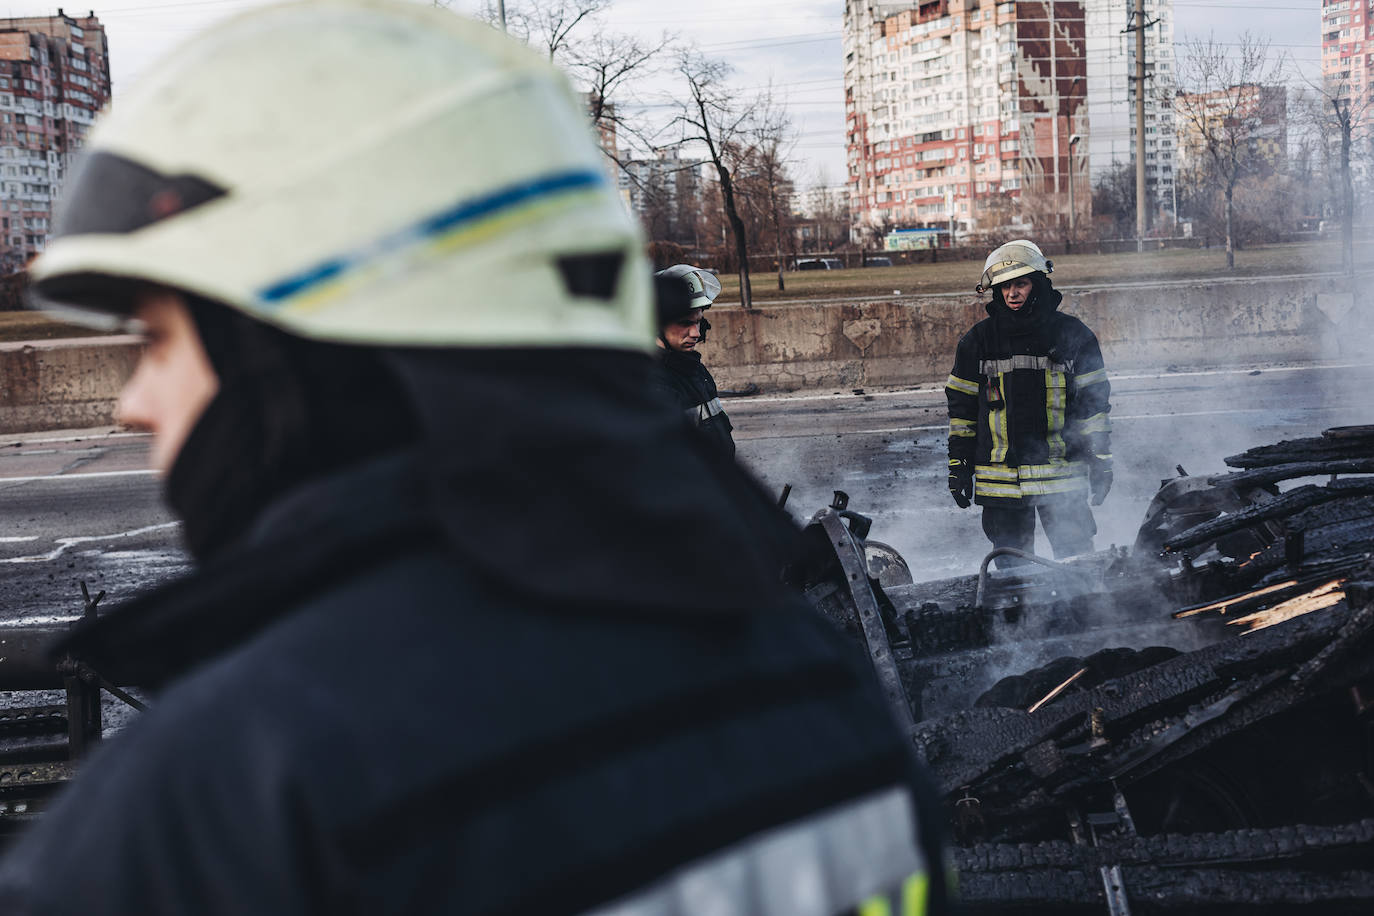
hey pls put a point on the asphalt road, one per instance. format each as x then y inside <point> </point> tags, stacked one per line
<point>82,506</point>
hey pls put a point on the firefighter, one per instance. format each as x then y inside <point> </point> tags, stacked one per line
<point>683,294</point>
<point>1029,429</point>
<point>443,648</point>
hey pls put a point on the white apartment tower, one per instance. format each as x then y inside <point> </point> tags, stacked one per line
<point>1112,88</point>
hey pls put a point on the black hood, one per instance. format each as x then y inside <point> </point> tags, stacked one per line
<point>1044,301</point>
<point>558,475</point>
<point>571,478</point>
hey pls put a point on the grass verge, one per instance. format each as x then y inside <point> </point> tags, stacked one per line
<point>1069,270</point>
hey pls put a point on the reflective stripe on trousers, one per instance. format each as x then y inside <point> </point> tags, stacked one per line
<point>844,859</point>
<point>703,412</point>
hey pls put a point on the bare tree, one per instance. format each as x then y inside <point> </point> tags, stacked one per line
<point>769,187</point>
<point>712,115</point>
<point>1223,101</point>
<point>606,66</point>
<point>1339,118</point>
<point>545,24</point>
<point>1114,199</point>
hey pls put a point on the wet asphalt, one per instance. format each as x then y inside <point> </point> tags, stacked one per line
<point>82,505</point>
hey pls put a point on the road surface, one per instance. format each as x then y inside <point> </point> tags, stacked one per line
<point>84,507</point>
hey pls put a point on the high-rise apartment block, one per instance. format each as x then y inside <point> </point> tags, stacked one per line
<point>980,115</point>
<point>1111,72</point>
<point>1348,50</point>
<point>54,77</point>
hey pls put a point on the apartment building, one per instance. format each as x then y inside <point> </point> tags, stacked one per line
<point>665,193</point>
<point>1111,67</point>
<point>980,116</point>
<point>1252,115</point>
<point>1348,52</point>
<point>54,77</point>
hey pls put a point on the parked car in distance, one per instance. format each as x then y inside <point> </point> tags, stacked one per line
<point>820,264</point>
<point>879,261</point>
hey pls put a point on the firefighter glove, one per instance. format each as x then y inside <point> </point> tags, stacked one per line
<point>1100,480</point>
<point>961,482</point>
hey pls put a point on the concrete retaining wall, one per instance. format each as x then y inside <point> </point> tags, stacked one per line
<point>892,341</point>
<point>901,341</point>
<point>63,384</point>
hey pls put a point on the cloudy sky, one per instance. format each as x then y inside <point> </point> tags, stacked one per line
<point>791,44</point>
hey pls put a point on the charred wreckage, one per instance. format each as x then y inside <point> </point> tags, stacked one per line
<point>1185,725</point>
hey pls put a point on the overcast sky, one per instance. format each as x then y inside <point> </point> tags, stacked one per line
<point>792,44</point>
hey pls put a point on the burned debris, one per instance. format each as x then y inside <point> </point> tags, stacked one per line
<point>1184,726</point>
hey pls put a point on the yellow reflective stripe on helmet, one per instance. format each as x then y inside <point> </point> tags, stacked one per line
<point>462,223</point>
<point>963,386</point>
<point>963,428</point>
<point>1097,423</point>
<point>1056,399</point>
<point>1096,377</point>
<point>997,425</point>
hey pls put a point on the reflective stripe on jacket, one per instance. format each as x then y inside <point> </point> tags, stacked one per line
<point>1029,407</point>
<point>862,857</point>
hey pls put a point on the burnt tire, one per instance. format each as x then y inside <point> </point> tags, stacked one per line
<point>1021,691</point>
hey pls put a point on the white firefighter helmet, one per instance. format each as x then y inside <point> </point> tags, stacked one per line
<point>1014,259</point>
<point>357,171</point>
<point>702,285</point>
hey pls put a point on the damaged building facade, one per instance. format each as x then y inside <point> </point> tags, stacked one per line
<point>973,116</point>
<point>54,77</point>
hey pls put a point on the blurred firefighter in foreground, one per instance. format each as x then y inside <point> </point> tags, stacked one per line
<point>1028,412</point>
<point>683,294</point>
<point>444,649</point>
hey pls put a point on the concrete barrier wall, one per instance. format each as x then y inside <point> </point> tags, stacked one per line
<point>891,341</point>
<point>63,384</point>
<point>902,341</point>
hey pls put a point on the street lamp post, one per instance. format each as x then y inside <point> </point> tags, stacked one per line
<point>1072,213</point>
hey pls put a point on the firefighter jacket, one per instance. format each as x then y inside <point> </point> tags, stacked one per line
<point>686,381</point>
<point>475,675</point>
<point>1028,404</point>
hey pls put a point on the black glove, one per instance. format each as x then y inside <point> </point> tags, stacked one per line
<point>1100,480</point>
<point>961,482</point>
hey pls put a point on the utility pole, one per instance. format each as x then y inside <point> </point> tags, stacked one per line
<point>501,8</point>
<point>1139,125</point>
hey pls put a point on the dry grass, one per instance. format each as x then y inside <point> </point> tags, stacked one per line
<point>941,277</point>
<point>1069,270</point>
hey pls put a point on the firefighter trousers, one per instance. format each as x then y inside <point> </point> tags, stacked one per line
<point>1068,524</point>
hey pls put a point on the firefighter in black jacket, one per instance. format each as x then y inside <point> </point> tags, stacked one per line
<point>446,647</point>
<point>684,294</point>
<point>1028,411</point>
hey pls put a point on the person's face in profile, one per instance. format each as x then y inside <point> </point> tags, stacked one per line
<point>173,382</point>
<point>685,333</point>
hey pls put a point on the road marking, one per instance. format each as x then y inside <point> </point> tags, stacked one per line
<point>18,440</point>
<point>89,475</point>
<point>939,386</point>
<point>19,540</point>
<point>1230,411</point>
<point>65,544</point>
